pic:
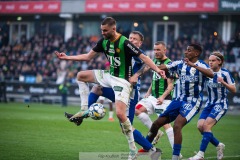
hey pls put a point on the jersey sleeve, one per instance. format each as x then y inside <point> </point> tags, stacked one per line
<point>99,47</point>
<point>229,78</point>
<point>131,49</point>
<point>172,67</point>
<point>203,64</point>
<point>137,59</point>
<point>168,73</point>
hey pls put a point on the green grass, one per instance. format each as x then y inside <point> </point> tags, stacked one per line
<point>41,132</point>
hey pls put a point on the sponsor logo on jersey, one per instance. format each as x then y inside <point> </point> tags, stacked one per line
<point>132,48</point>
<point>214,85</point>
<point>114,61</point>
<point>189,78</point>
<point>118,88</point>
<point>111,50</point>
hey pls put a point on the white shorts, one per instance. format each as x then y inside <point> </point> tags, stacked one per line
<point>150,103</point>
<point>121,87</point>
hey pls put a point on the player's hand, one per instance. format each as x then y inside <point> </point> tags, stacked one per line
<point>220,79</point>
<point>160,100</point>
<point>189,63</point>
<point>133,80</point>
<point>162,73</point>
<point>61,55</point>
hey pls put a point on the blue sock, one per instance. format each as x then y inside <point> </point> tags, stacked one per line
<point>214,141</point>
<point>92,98</point>
<point>138,137</point>
<point>205,140</point>
<point>177,149</point>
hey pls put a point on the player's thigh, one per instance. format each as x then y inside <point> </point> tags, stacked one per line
<point>86,76</point>
<point>204,114</point>
<point>102,77</point>
<point>122,89</point>
<point>190,108</point>
<point>159,109</point>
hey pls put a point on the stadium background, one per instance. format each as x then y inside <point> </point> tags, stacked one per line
<point>30,31</point>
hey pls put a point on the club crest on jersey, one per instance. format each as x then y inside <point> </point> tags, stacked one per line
<point>193,71</point>
<point>118,50</point>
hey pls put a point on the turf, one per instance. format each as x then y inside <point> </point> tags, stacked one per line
<point>41,132</point>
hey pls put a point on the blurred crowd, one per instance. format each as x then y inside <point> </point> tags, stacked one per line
<point>34,61</point>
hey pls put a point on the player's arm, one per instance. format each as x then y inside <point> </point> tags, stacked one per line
<point>82,57</point>
<point>134,51</point>
<point>206,71</point>
<point>142,70</point>
<point>170,82</point>
<point>230,87</point>
<point>151,64</point>
<point>149,91</point>
<point>133,80</point>
<point>163,67</point>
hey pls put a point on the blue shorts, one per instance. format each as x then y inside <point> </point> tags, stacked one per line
<point>215,111</point>
<point>187,109</point>
<point>133,102</point>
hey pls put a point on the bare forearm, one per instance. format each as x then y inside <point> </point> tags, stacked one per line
<point>167,91</point>
<point>82,57</point>
<point>206,72</point>
<point>231,88</point>
<point>163,67</point>
<point>149,62</point>
<point>142,70</point>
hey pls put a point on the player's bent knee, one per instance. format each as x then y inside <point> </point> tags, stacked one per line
<point>85,76</point>
<point>138,109</point>
<point>200,127</point>
<point>138,106</point>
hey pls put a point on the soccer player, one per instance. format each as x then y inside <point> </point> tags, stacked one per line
<point>216,106</point>
<point>119,51</point>
<point>135,38</point>
<point>192,75</point>
<point>158,96</point>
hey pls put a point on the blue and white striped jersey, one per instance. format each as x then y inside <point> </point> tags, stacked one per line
<point>217,92</point>
<point>191,80</point>
<point>176,90</point>
<point>137,64</point>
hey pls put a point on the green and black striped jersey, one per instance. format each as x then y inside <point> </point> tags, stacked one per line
<point>119,53</point>
<point>159,84</point>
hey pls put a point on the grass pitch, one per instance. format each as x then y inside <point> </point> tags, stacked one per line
<point>41,132</point>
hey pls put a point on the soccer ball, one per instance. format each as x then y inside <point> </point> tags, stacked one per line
<point>97,111</point>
